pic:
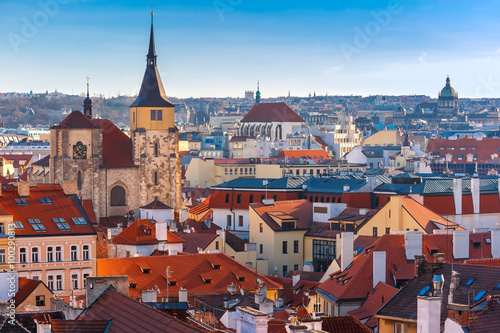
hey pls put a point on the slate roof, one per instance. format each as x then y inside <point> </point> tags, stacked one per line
<point>404,303</point>
<point>297,209</point>
<point>128,315</point>
<point>487,319</point>
<point>271,112</point>
<point>156,204</point>
<point>189,271</point>
<point>61,206</point>
<point>258,183</point>
<point>43,162</point>
<point>194,241</point>
<point>334,184</point>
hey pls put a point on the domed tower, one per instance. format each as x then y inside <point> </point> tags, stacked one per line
<point>493,111</point>
<point>87,103</point>
<point>447,101</point>
<point>155,138</point>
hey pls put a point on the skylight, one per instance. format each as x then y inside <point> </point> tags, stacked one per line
<point>79,220</point>
<point>46,201</point>
<point>62,225</point>
<point>37,225</point>
<point>479,295</point>
<point>21,202</point>
<point>468,283</point>
<point>424,291</point>
<point>19,225</point>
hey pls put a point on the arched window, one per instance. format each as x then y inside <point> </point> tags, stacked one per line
<point>118,196</point>
<point>156,149</point>
<point>58,253</point>
<point>156,178</point>
<point>79,181</point>
<point>34,254</point>
<point>86,252</point>
<point>22,255</point>
<point>50,253</point>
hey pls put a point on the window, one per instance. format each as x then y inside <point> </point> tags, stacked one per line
<point>323,254</point>
<point>50,282</point>
<point>228,221</point>
<point>156,149</point>
<point>285,270</point>
<point>387,231</point>
<point>156,114</point>
<point>18,225</point>
<point>117,196</point>
<point>50,253</point>
<point>74,253</point>
<point>79,220</point>
<point>155,176</point>
<point>285,247</point>
<point>40,300</point>
<point>21,202</point>
<point>295,246</point>
<point>37,225</point>
<point>74,281</point>
<point>85,276</point>
<point>86,252</point>
<point>240,221</point>
<point>479,295</point>
<point>399,328</point>
<point>78,181</point>
<point>217,245</point>
<point>295,267</point>
<point>389,213</point>
<point>58,253</point>
<point>275,197</point>
<point>238,198</point>
<point>227,198</point>
<point>261,227</point>
<point>22,255</point>
<point>2,256</point>
<point>246,171</point>
<point>261,248</point>
<point>34,254</point>
<point>62,225</point>
<point>262,197</point>
<point>225,171</point>
<point>2,228</point>
<point>375,232</point>
<point>59,282</point>
<point>251,199</point>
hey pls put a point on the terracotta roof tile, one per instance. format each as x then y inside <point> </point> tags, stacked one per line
<point>142,232</point>
<point>116,145</point>
<point>25,288</point>
<point>344,324</point>
<point>194,241</point>
<point>271,112</point>
<point>186,268</point>
<point>313,154</point>
<point>294,296</point>
<point>298,209</point>
<point>76,119</point>
<point>79,326</point>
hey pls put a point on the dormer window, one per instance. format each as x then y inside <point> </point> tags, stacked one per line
<point>132,285</point>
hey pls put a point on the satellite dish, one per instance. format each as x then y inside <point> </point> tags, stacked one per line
<point>242,292</point>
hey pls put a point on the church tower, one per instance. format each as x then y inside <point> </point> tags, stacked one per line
<point>155,138</point>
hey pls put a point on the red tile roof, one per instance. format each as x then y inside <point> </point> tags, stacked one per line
<point>295,296</point>
<point>127,315</point>
<point>313,154</point>
<point>195,241</point>
<point>482,149</point>
<point>17,161</point>
<point>25,288</point>
<point>61,207</point>
<point>187,269</point>
<point>344,324</point>
<point>381,294</point>
<point>89,209</point>
<point>320,141</point>
<point>426,217</point>
<point>298,209</point>
<point>271,112</point>
<point>116,145</point>
<point>142,232</point>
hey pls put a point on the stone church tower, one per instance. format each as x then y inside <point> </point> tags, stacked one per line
<point>155,138</point>
<point>95,160</point>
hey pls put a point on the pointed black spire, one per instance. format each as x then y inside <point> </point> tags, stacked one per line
<point>151,57</point>
<point>152,92</point>
<point>87,102</point>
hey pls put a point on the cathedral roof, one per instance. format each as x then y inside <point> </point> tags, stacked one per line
<point>76,119</point>
<point>271,112</point>
<point>448,91</point>
<point>116,145</point>
<point>152,93</point>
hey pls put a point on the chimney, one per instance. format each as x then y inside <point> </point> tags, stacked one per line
<point>460,244</point>
<point>439,257</point>
<point>183,295</point>
<point>149,296</point>
<point>346,249</point>
<point>208,223</point>
<point>413,244</point>
<point>495,243</point>
<point>379,267</point>
<point>222,234</point>
<point>278,303</point>
<point>474,188</point>
<point>231,289</point>
<point>419,264</point>
<point>258,298</point>
<point>23,189</point>
<point>346,188</point>
<point>454,283</point>
<point>161,231</point>
<point>428,314</point>
<point>70,187</point>
<point>295,279</point>
<point>438,283</point>
<point>457,195</point>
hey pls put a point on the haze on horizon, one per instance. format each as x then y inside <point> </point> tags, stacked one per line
<point>220,48</point>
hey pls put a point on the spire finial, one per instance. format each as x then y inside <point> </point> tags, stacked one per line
<point>88,79</point>
<point>152,12</point>
<point>151,57</point>
<point>257,94</point>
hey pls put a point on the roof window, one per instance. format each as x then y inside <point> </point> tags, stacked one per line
<point>21,202</point>
<point>79,220</point>
<point>62,225</point>
<point>46,201</point>
<point>37,225</point>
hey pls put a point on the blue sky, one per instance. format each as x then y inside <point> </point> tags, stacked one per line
<point>222,47</point>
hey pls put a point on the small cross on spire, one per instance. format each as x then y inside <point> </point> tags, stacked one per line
<point>88,79</point>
